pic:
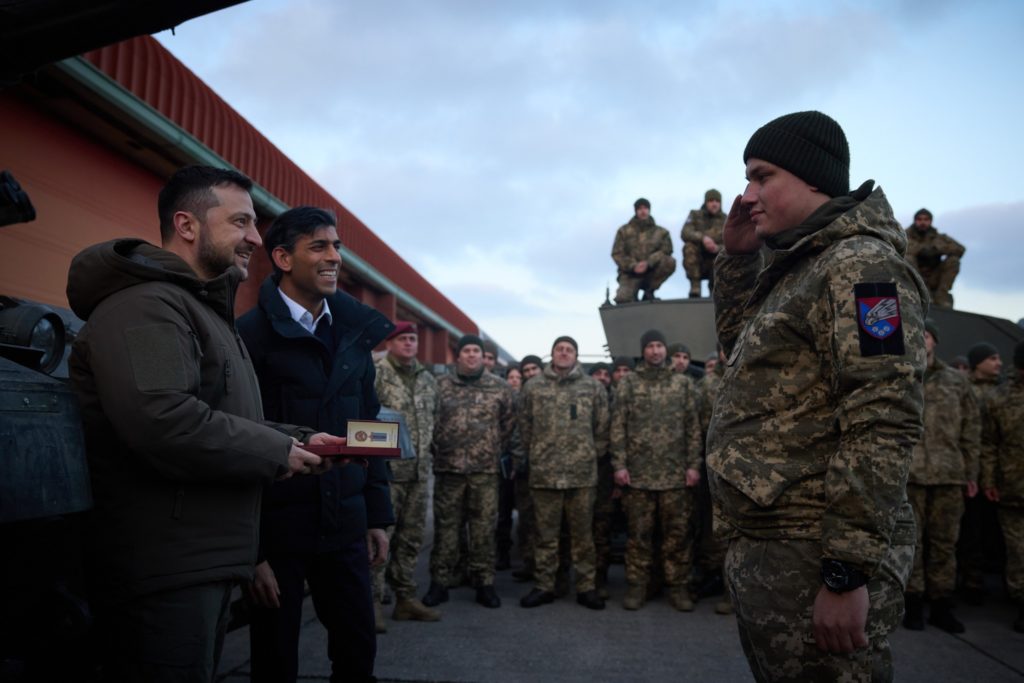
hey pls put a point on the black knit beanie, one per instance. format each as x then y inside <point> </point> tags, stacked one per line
<point>932,328</point>
<point>1018,356</point>
<point>490,347</point>
<point>624,362</point>
<point>651,336</point>
<point>599,366</point>
<point>923,212</point>
<point>468,339</point>
<point>712,194</point>
<point>679,347</point>
<point>641,202</point>
<point>532,360</point>
<point>979,352</point>
<point>808,144</point>
<point>566,338</point>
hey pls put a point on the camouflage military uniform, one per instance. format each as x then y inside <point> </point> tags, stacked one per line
<point>710,550</point>
<point>604,508</point>
<point>979,535</point>
<point>563,422</point>
<point>944,460</point>
<point>1002,467</point>
<point>813,432</point>
<point>926,251</point>
<point>474,425</point>
<point>412,391</point>
<point>656,436</point>
<point>636,241</point>
<point>698,262</point>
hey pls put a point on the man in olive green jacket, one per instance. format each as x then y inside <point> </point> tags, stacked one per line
<point>643,254</point>
<point>563,422</point>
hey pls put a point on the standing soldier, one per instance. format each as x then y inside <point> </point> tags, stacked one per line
<point>474,425</point>
<point>563,422</point>
<point>1002,473</point>
<point>702,240</point>
<point>531,366</point>
<point>821,319</point>
<point>979,530</point>
<point>406,385</point>
<point>607,493</point>
<point>656,452</point>
<point>643,253</point>
<point>945,460</point>
<point>709,549</point>
<point>936,257</point>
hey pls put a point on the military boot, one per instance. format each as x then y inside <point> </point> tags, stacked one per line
<point>411,609</point>
<point>694,289</point>
<point>913,617</point>
<point>636,595</point>
<point>380,624</point>
<point>1018,625</point>
<point>942,616</point>
<point>436,594</point>
<point>680,599</point>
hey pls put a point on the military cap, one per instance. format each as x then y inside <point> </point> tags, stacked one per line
<point>979,352</point>
<point>401,327</point>
<point>808,144</point>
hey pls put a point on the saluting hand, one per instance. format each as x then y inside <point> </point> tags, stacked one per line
<point>740,234</point>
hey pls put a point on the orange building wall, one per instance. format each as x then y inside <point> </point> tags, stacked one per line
<point>82,191</point>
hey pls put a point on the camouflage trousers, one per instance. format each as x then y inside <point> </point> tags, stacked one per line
<point>698,264</point>
<point>1012,520</point>
<point>409,500</point>
<point>526,528</point>
<point>577,508</point>
<point>674,510</point>
<point>603,508</point>
<point>773,584</point>
<point>464,499</point>
<point>650,281</point>
<point>937,511</point>
<point>709,549</point>
<point>939,280</point>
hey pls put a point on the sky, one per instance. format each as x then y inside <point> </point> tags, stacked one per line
<point>497,147</point>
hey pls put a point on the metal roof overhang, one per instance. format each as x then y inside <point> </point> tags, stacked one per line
<point>137,113</point>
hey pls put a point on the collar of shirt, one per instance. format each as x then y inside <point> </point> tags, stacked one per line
<point>302,316</point>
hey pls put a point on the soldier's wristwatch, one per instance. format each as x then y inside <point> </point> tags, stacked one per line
<point>841,578</point>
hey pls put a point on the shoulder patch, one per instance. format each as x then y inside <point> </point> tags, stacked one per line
<point>878,319</point>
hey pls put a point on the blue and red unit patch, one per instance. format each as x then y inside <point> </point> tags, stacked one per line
<point>878,319</point>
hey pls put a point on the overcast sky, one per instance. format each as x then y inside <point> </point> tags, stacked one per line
<point>497,147</point>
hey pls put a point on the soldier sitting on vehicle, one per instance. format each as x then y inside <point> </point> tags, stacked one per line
<point>702,239</point>
<point>936,257</point>
<point>643,253</point>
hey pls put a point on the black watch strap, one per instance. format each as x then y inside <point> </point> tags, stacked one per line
<point>840,577</point>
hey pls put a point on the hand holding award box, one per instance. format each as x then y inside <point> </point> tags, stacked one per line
<point>364,439</point>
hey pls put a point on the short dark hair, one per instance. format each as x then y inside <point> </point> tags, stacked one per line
<point>287,228</point>
<point>191,189</point>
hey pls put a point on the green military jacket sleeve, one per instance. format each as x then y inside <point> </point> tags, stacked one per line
<point>418,407</point>
<point>1003,443</point>
<point>950,446</point>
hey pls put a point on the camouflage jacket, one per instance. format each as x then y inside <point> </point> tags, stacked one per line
<point>707,390</point>
<point>638,241</point>
<point>474,425</point>
<point>1002,452</point>
<point>655,429</point>
<point>700,223</point>
<point>948,451</point>
<point>927,250</point>
<point>983,388</point>
<point>811,438</point>
<point>563,423</point>
<point>418,406</point>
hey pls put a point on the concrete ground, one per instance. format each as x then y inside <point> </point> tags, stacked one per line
<point>564,642</point>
